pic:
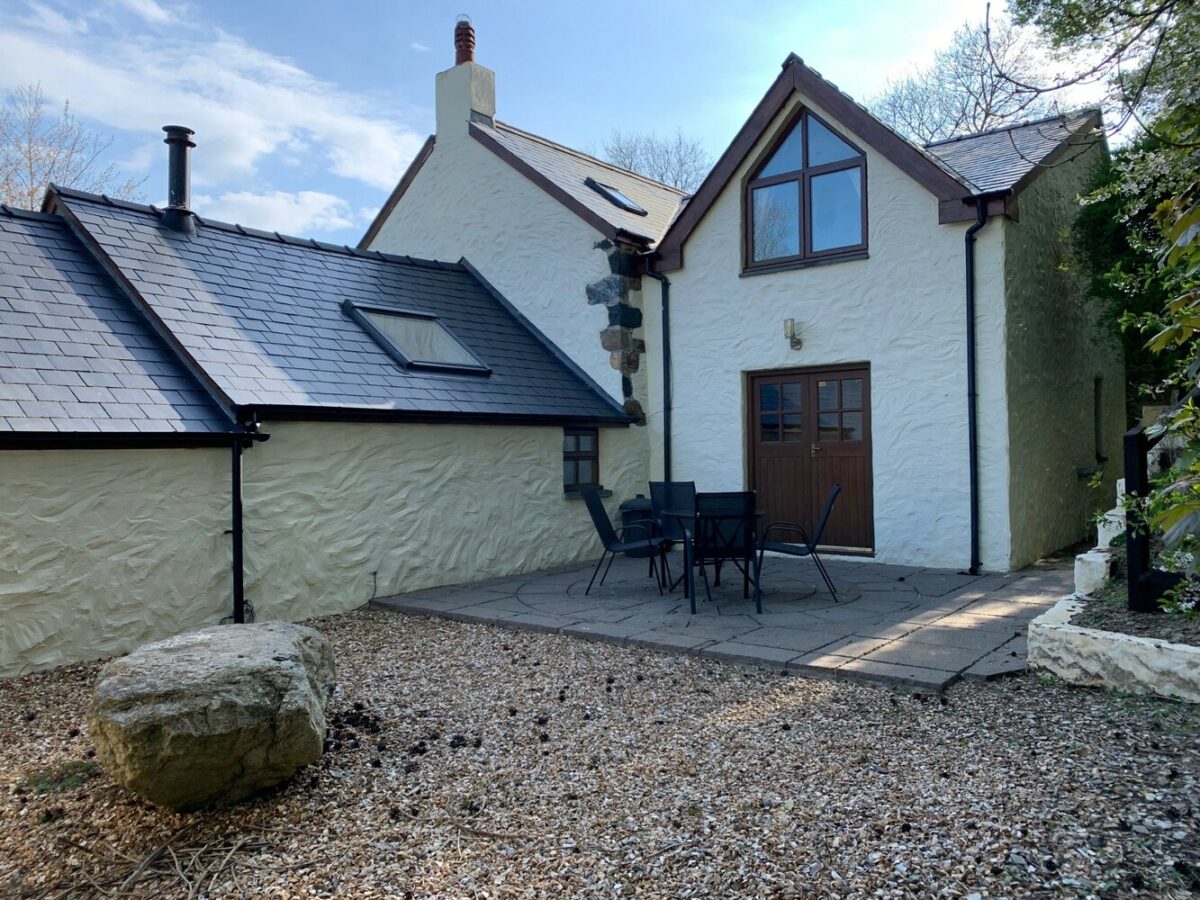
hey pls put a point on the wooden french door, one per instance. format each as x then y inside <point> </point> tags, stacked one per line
<point>809,429</point>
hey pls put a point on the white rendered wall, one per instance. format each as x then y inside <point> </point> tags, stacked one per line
<point>466,202</point>
<point>1055,351</point>
<point>901,310</point>
<point>103,550</point>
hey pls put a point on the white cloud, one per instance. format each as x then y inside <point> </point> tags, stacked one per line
<point>300,213</point>
<point>149,10</point>
<point>43,18</point>
<point>419,47</point>
<point>245,104</point>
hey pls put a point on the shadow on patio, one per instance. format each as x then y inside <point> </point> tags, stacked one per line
<point>917,627</point>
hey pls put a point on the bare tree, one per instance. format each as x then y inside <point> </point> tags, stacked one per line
<point>674,160</point>
<point>963,91</point>
<point>37,148</point>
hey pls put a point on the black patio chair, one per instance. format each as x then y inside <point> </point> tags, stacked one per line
<point>807,547</point>
<point>723,531</point>
<point>615,541</point>
<point>675,496</point>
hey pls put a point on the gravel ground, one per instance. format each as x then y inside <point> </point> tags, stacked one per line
<point>472,762</point>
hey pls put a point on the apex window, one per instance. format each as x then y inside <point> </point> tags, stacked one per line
<point>808,199</point>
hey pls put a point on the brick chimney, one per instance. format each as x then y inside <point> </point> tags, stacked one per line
<point>466,92</point>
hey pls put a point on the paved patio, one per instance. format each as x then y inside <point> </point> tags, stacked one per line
<point>923,628</point>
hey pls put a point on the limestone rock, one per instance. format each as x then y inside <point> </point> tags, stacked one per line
<point>212,716</point>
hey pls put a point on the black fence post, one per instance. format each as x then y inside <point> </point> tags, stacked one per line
<point>1142,588</point>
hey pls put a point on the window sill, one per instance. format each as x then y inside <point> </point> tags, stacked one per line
<point>575,495</point>
<point>803,264</point>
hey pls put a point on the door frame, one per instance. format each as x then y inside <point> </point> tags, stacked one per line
<point>748,426</point>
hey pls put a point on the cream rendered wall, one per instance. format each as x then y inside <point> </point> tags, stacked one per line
<point>901,310</point>
<point>1055,350</point>
<point>103,550</point>
<point>327,504</point>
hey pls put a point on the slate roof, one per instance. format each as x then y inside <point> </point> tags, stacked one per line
<point>569,169</point>
<point>75,355</point>
<point>261,316</point>
<point>997,160</point>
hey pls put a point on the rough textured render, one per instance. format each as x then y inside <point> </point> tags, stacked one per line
<point>213,716</point>
<point>1107,659</point>
<point>108,549</point>
<point>1065,375</point>
<point>418,505</point>
<point>901,310</point>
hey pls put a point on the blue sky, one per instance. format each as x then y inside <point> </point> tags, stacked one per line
<point>307,112</point>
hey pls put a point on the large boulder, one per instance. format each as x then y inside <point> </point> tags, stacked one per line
<point>212,716</point>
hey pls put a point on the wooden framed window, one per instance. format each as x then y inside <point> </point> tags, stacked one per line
<point>807,200</point>
<point>581,458</point>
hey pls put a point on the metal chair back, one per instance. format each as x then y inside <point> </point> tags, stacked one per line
<point>672,495</point>
<point>600,519</point>
<point>825,511</point>
<point>724,526</point>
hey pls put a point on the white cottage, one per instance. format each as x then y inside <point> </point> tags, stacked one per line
<point>198,419</point>
<point>834,305</point>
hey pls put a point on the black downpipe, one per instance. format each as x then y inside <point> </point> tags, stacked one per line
<point>981,219</point>
<point>666,355</point>
<point>239,587</point>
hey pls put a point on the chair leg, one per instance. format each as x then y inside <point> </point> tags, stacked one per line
<point>665,565</point>
<point>717,575</point>
<point>657,576</point>
<point>825,575</point>
<point>607,568</point>
<point>595,573</point>
<point>757,583</point>
<point>704,575</point>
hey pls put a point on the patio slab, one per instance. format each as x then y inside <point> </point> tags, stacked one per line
<point>900,625</point>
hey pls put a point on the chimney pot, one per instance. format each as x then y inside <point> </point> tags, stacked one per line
<point>178,215</point>
<point>464,40</point>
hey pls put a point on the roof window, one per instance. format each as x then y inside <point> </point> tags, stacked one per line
<point>416,340</point>
<point>613,196</point>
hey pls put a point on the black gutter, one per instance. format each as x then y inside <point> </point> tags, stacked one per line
<point>981,219</point>
<point>666,357</point>
<point>91,440</point>
<point>286,413</point>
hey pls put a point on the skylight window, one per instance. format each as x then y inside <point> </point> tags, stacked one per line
<point>415,340</point>
<point>615,197</point>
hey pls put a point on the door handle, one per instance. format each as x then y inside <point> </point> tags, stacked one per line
<point>814,449</point>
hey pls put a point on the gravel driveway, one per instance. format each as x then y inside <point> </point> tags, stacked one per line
<point>471,762</point>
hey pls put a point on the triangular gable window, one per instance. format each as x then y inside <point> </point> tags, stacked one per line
<point>807,200</point>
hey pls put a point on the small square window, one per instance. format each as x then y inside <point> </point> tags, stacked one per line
<point>415,340</point>
<point>581,458</point>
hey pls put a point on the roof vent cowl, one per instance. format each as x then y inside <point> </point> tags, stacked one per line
<point>178,215</point>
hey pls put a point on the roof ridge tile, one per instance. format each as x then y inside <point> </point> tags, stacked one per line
<point>273,237</point>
